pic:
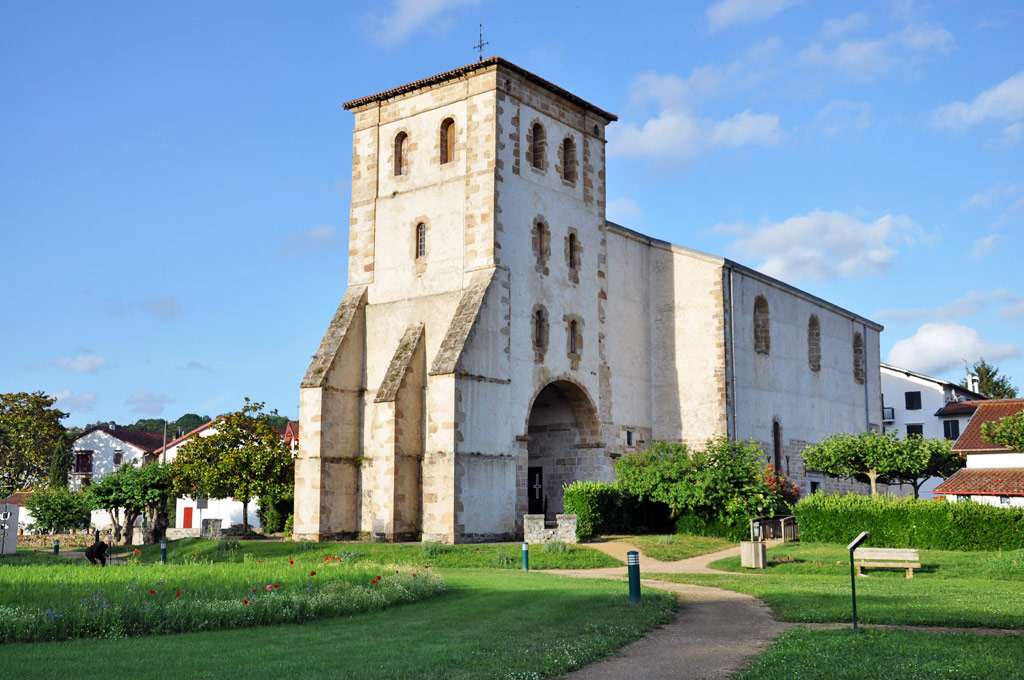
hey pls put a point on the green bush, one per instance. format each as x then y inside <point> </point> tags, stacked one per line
<point>910,522</point>
<point>735,529</point>
<point>603,508</point>
<point>289,525</point>
<point>556,547</point>
<point>55,510</point>
<point>273,513</point>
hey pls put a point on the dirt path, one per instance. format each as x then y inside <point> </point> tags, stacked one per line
<point>715,634</point>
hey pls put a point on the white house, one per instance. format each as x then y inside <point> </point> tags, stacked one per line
<point>189,512</point>
<point>994,474</point>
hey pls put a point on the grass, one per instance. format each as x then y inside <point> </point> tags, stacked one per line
<point>672,547</point>
<point>811,583</point>
<point>488,623</point>
<point>804,654</point>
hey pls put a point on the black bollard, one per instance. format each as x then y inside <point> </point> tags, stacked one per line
<point>633,566</point>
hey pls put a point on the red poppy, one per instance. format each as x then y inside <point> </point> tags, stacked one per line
<point>291,561</point>
<point>396,571</point>
<point>202,556</point>
<point>177,593</point>
<point>414,574</point>
<point>152,592</point>
<point>36,557</point>
<point>373,582</point>
<point>254,590</point>
<point>312,573</point>
<point>379,577</point>
<point>193,554</point>
<point>245,601</point>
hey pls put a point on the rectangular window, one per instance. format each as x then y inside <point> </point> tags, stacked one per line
<point>913,401</point>
<point>118,458</point>
<point>951,429</point>
<point>83,463</point>
<point>915,430</point>
<point>1004,500</point>
<point>629,437</point>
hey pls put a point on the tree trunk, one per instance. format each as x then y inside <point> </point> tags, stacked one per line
<point>873,478</point>
<point>918,483</point>
<point>245,516</point>
<point>156,524</point>
<point>129,525</point>
<point>115,524</point>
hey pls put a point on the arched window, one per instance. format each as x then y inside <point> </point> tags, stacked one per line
<point>538,146</point>
<point>401,153</point>
<point>574,340</point>
<point>814,343</point>
<point>568,160</point>
<point>447,140</point>
<point>777,446</point>
<point>858,358</point>
<point>421,240</point>
<point>540,328</point>
<point>762,326</point>
<point>542,242</point>
<point>573,254</point>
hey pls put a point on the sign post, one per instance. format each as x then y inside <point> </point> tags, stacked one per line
<point>853,573</point>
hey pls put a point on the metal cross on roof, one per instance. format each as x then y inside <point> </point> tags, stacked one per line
<point>480,45</point>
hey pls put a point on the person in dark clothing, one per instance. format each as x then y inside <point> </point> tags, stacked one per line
<point>97,552</point>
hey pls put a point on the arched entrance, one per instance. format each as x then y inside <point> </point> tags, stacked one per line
<point>563,445</point>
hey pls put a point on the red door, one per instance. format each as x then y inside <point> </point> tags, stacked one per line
<point>186,522</point>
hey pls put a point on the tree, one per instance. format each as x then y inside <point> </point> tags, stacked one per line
<point>56,510</point>
<point>990,384</point>
<point>243,459</point>
<point>134,491</point>
<point>1008,431</point>
<point>108,494</point>
<point>30,430</point>
<point>872,454</point>
<point>942,462</point>
<point>60,462</point>
<point>189,422</point>
<point>725,481</point>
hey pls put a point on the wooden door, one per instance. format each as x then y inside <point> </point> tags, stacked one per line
<point>186,520</point>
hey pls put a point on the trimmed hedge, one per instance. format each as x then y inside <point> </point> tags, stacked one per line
<point>910,522</point>
<point>602,508</point>
<point>693,525</point>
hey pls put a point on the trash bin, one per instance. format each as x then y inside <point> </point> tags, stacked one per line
<point>753,554</point>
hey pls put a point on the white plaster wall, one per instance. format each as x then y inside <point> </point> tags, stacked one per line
<point>488,493</point>
<point>1015,501</point>
<point>227,510</point>
<point>995,460</point>
<point>103,447</point>
<point>896,384</point>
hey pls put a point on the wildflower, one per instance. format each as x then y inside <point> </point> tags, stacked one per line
<point>396,571</point>
<point>269,587</point>
<point>291,561</point>
<point>277,585</point>
<point>254,590</point>
<point>177,593</point>
<point>202,556</point>
<point>245,601</point>
<point>312,573</point>
<point>152,592</point>
<point>379,577</point>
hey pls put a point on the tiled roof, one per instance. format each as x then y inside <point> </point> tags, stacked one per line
<point>958,408</point>
<point>475,66</point>
<point>160,449</point>
<point>292,430</point>
<point>147,441</point>
<point>984,482</point>
<point>18,498</point>
<point>988,411</point>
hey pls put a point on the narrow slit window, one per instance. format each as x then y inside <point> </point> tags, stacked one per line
<point>421,240</point>
<point>573,247</point>
<point>569,160</point>
<point>447,141</point>
<point>538,146</point>
<point>574,345</point>
<point>401,154</point>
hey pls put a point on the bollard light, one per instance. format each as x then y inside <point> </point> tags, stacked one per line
<point>633,567</point>
<point>526,556</point>
<point>56,546</point>
<point>853,576</point>
<point>163,551</point>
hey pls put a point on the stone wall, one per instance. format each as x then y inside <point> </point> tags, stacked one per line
<point>536,530</point>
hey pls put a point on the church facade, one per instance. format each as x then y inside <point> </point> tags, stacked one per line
<point>500,338</point>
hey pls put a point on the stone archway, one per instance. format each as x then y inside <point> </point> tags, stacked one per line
<point>563,445</point>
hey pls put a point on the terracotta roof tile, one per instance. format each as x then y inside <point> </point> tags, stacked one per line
<point>958,408</point>
<point>147,441</point>
<point>988,411</point>
<point>18,498</point>
<point>492,61</point>
<point>984,482</point>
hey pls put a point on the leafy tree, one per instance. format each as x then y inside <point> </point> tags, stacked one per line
<point>108,494</point>
<point>990,384</point>
<point>60,462</point>
<point>30,430</point>
<point>942,462</point>
<point>1009,431</point>
<point>243,459</point>
<point>135,491</point>
<point>872,454</point>
<point>56,510</point>
<point>725,481</point>
<point>189,422</point>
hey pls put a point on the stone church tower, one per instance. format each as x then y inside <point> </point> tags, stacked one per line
<point>499,338</point>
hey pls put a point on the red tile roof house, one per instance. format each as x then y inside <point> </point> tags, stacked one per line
<point>24,518</point>
<point>994,474</point>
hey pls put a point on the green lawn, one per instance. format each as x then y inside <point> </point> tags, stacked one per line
<point>804,654</point>
<point>811,583</point>
<point>489,623</point>
<point>672,547</point>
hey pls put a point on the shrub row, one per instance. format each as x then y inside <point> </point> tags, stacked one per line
<point>910,522</point>
<point>602,508</point>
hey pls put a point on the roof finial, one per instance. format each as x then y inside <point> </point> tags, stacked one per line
<point>480,45</point>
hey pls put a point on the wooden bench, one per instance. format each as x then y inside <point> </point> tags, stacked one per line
<point>890,558</point>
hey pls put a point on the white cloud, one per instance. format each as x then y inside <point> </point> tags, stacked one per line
<point>983,246</point>
<point>824,245</point>
<point>1012,134</point>
<point>868,59</point>
<point>996,192</point>
<point>66,401</point>
<point>937,347</point>
<point>196,366</point>
<point>841,117</point>
<point>621,210</point>
<point>837,28</point>
<point>733,12</point>
<point>971,303</point>
<point>761,129</point>
<point>164,307</point>
<point>406,16</point>
<point>310,243</point>
<point>149,403</point>
<point>1013,311</point>
<point>83,363</point>
<point>1005,102</point>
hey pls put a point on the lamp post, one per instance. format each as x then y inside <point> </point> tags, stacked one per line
<point>853,575</point>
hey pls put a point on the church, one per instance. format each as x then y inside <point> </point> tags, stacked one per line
<point>500,338</point>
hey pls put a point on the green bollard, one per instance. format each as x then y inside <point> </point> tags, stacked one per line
<point>163,551</point>
<point>633,567</point>
<point>56,546</point>
<point>526,556</point>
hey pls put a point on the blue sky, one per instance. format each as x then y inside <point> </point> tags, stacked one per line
<point>174,177</point>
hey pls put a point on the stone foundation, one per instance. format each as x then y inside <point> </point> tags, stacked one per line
<point>535,529</point>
